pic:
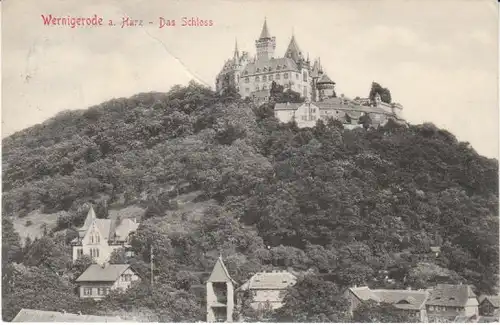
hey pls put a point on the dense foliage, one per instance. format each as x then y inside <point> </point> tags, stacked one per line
<point>354,206</point>
<point>385,93</point>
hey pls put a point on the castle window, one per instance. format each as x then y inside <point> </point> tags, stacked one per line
<point>304,75</point>
<point>264,78</point>
<point>247,80</point>
<point>297,76</point>
<point>258,69</point>
<point>270,77</point>
<point>277,76</point>
<point>285,75</point>
<point>278,67</point>
<point>257,79</point>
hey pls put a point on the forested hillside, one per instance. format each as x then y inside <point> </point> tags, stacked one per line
<point>216,174</point>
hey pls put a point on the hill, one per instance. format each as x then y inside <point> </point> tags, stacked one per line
<point>207,174</point>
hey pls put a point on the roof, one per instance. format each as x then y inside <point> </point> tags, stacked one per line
<point>293,50</point>
<point>494,300</point>
<point>31,315</point>
<point>403,299</point>
<point>285,64</point>
<point>287,106</point>
<point>265,31</point>
<point>269,280</point>
<point>450,295</point>
<point>103,225</point>
<point>488,319</point>
<point>98,273</point>
<point>124,228</point>
<point>220,273</point>
<point>88,220</point>
<point>325,79</point>
<point>336,104</point>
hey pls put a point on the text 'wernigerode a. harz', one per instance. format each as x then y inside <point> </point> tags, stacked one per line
<point>123,22</point>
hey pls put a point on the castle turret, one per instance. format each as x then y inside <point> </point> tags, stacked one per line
<point>326,87</point>
<point>293,51</point>
<point>236,55</point>
<point>220,294</point>
<point>265,44</point>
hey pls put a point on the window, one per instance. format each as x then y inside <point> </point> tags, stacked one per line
<point>304,118</point>
<point>101,291</point>
<point>79,252</point>
<point>264,78</point>
<point>258,69</point>
<point>257,79</point>
<point>87,291</point>
<point>247,90</point>
<point>97,238</point>
<point>94,252</point>
<point>247,80</point>
<point>285,75</point>
<point>277,76</point>
<point>270,77</point>
<point>257,88</point>
<point>304,75</point>
<point>126,277</point>
<point>297,76</point>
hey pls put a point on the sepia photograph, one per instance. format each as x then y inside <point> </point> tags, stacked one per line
<point>250,161</point>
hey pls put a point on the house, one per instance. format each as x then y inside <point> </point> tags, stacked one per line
<point>44,316</point>
<point>447,301</point>
<point>489,305</point>
<point>409,300</point>
<point>98,280</point>
<point>266,288</point>
<point>98,238</point>
<point>220,294</point>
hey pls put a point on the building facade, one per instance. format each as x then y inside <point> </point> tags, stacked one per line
<point>349,112</point>
<point>99,280</point>
<point>98,238</point>
<point>489,305</point>
<point>266,289</point>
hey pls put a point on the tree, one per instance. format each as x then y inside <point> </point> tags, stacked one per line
<point>385,94</point>
<point>372,312</point>
<point>313,299</point>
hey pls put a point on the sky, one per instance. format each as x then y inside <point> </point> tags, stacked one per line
<point>439,58</point>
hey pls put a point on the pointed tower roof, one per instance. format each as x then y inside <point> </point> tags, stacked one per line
<point>325,80</point>
<point>88,220</point>
<point>220,273</point>
<point>293,49</point>
<point>265,31</point>
<point>236,51</point>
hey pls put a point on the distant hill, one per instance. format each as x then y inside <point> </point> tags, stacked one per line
<point>207,174</point>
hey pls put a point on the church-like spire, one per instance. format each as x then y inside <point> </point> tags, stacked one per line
<point>265,31</point>
<point>293,50</point>
<point>236,51</point>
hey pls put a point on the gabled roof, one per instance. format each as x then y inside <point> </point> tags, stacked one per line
<point>98,273</point>
<point>402,299</point>
<point>450,295</point>
<point>287,106</point>
<point>494,300</point>
<point>88,220</point>
<point>269,280</point>
<point>220,273</point>
<point>265,31</point>
<point>39,316</point>
<point>271,65</point>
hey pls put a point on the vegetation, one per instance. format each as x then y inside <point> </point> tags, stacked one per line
<point>385,93</point>
<point>349,205</point>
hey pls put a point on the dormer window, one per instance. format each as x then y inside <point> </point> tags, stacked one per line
<point>258,69</point>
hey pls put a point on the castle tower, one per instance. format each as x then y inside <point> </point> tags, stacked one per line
<point>326,87</point>
<point>378,100</point>
<point>236,56</point>
<point>265,44</point>
<point>293,51</point>
<point>220,294</point>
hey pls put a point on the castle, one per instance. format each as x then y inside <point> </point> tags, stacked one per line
<point>252,77</point>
